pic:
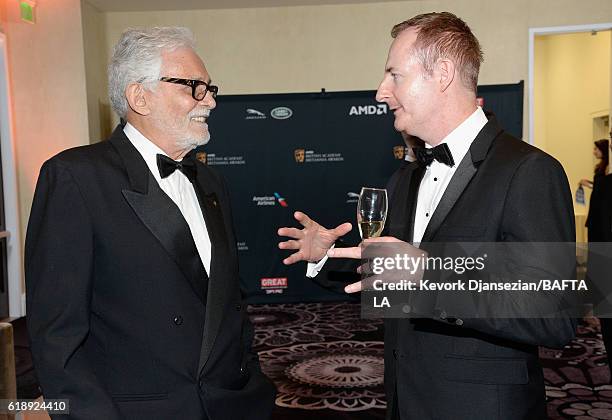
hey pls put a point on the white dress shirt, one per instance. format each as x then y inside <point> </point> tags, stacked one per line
<point>436,178</point>
<point>178,187</point>
<point>438,175</point>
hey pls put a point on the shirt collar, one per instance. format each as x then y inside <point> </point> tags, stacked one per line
<point>147,149</point>
<point>460,139</point>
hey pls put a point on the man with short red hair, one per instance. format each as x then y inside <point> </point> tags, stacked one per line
<point>473,183</point>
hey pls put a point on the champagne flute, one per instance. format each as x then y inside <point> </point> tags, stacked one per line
<point>371,212</point>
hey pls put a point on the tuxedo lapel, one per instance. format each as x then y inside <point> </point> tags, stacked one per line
<point>462,177</point>
<point>159,213</point>
<point>208,191</point>
<point>460,180</point>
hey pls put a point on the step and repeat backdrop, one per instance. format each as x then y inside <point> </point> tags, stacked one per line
<point>311,152</point>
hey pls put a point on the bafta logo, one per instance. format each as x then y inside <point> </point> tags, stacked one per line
<point>299,155</point>
<point>201,156</point>
<point>399,152</point>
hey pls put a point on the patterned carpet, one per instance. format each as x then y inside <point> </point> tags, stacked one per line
<point>324,359</point>
<point>578,378</point>
<point>328,362</point>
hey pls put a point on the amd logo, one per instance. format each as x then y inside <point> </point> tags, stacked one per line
<point>379,109</point>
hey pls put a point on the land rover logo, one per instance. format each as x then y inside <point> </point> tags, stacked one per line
<point>281,113</point>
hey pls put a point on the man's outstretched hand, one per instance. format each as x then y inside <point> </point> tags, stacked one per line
<point>312,241</point>
<point>397,247</point>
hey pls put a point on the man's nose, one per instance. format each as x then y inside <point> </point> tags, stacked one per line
<point>382,94</point>
<point>208,101</point>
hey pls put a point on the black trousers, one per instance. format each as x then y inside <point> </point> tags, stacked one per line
<point>606,333</point>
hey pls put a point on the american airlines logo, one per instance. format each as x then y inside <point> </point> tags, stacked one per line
<point>379,109</point>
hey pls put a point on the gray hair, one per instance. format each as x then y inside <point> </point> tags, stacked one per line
<point>137,58</point>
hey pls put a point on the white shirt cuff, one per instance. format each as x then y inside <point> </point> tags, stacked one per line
<point>313,268</point>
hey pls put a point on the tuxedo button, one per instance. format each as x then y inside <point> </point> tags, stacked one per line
<point>200,383</point>
<point>459,322</point>
<point>394,353</point>
<point>442,315</point>
<point>238,307</point>
<point>178,320</point>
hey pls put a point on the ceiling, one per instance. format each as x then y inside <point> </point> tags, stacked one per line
<point>148,5</point>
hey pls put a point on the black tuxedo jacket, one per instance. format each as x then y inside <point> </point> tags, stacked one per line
<point>600,247</point>
<point>448,367</point>
<point>607,208</point>
<point>598,221</point>
<point>123,319</point>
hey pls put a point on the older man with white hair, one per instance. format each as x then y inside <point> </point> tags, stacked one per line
<point>134,304</point>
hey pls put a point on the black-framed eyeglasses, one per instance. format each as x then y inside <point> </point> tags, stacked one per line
<point>199,89</point>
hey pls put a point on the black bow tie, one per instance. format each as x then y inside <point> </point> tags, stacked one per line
<point>167,166</point>
<point>441,153</point>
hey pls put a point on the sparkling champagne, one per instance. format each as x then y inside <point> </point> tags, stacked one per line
<point>371,229</point>
<point>371,212</point>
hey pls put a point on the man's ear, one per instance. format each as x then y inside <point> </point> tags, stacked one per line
<point>137,99</point>
<point>446,70</point>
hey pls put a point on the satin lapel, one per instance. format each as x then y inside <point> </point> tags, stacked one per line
<point>466,170</point>
<point>159,213</point>
<point>403,205</point>
<point>460,180</point>
<point>164,219</point>
<point>208,191</point>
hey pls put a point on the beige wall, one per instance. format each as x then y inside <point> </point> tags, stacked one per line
<point>47,72</point>
<point>343,47</point>
<point>96,59</point>
<point>572,80</point>
<point>281,49</point>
